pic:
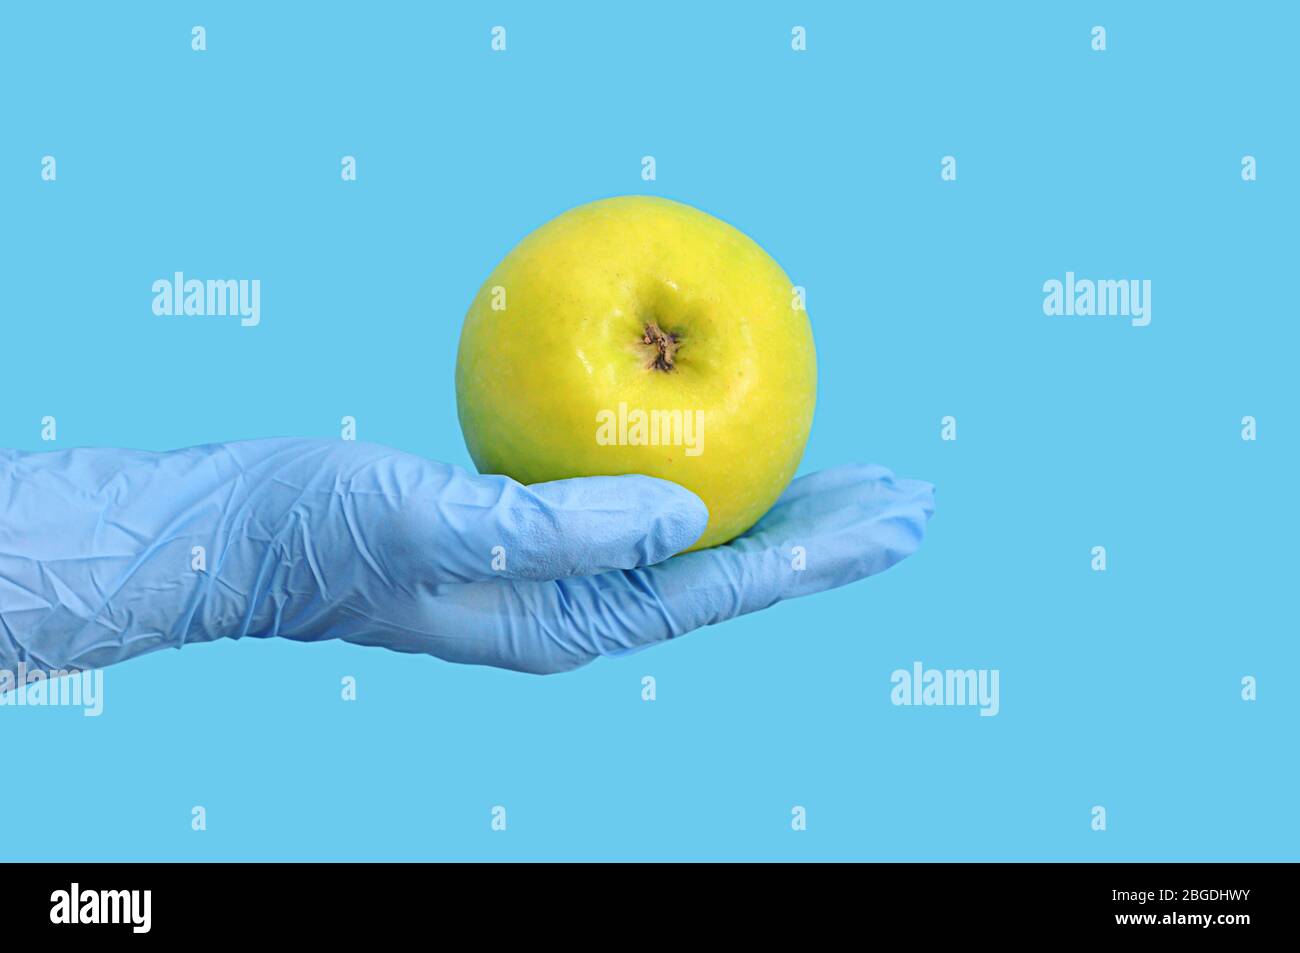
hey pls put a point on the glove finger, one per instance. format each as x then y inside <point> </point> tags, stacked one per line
<point>366,515</point>
<point>475,528</point>
<point>830,529</point>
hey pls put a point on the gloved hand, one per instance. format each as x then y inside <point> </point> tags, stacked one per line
<point>108,554</point>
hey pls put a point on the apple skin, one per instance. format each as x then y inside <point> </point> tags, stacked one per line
<point>572,342</point>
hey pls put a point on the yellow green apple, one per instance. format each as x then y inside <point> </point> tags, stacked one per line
<point>641,335</point>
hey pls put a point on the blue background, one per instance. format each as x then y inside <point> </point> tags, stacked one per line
<point>1119,689</point>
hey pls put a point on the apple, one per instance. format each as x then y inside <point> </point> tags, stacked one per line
<point>640,335</point>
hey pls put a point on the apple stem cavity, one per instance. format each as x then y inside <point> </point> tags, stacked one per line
<point>663,347</point>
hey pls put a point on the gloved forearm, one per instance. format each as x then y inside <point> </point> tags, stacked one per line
<point>106,554</point>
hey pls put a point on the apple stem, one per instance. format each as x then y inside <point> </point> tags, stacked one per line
<point>664,344</point>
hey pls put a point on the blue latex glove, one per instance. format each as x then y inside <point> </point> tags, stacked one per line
<point>100,557</point>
